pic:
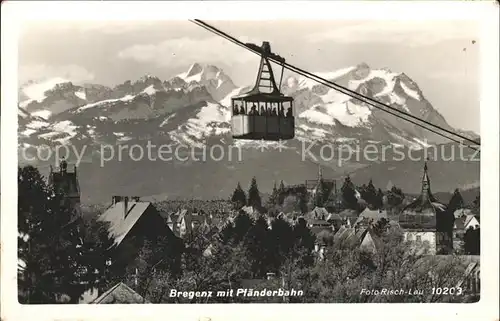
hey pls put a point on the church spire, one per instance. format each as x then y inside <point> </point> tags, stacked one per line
<point>426,185</point>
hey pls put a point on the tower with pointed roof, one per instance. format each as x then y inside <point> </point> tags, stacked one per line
<point>422,220</point>
<point>319,183</point>
<point>67,182</point>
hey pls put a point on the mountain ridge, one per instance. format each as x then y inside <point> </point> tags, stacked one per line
<point>192,109</point>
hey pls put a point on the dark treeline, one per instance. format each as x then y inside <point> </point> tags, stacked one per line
<point>61,256</point>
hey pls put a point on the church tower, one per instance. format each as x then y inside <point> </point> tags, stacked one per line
<point>319,184</point>
<point>422,219</point>
<point>67,182</point>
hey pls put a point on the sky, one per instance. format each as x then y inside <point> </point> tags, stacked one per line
<point>439,56</point>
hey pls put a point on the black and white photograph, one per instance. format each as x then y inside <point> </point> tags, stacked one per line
<point>225,161</point>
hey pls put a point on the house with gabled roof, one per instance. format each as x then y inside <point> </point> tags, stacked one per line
<point>186,222</point>
<point>462,212</point>
<point>368,217</point>
<point>465,222</point>
<point>319,213</point>
<point>370,242</point>
<point>120,294</point>
<point>131,223</point>
<point>471,281</point>
<point>345,236</point>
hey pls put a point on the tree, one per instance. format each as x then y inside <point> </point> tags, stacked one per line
<point>238,198</point>
<point>349,194</point>
<point>273,198</point>
<point>242,224</point>
<point>59,255</point>
<point>97,251</point>
<point>380,199</point>
<point>304,238</point>
<point>291,204</point>
<point>472,241</point>
<point>281,241</point>
<point>281,193</point>
<point>381,226</point>
<point>395,197</point>
<point>369,194</point>
<point>256,242</point>
<point>254,199</point>
<point>456,201</point>
<point>217,271</point>
<point>320,195</point>
<point>477,201</point>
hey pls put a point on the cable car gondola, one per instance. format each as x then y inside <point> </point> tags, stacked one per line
<point>263,113</point>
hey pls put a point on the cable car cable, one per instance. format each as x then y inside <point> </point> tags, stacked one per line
<point>337,87</point>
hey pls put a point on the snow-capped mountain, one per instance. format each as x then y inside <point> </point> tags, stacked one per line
<point>325,113</point>
<point>193,109</point>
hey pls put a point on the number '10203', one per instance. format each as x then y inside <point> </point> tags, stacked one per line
<point>447,291</point>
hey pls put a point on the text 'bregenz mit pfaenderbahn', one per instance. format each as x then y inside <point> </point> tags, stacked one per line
<point>236,292</point>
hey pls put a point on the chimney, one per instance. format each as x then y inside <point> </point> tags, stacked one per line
<point>125,206</point>
<point>116,199</point>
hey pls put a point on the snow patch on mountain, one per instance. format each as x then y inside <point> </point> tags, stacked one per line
<point>22,113</point>
<point>36,91</point>
<point>150,90</point>
<point>412,93</point>
<point>45,114</point>
<point>65,126</point>
<point>421,142</point>
<point>349,114</point>
<point>316,116</point>
<point>124,138</point>
<point>406,142</point>
<point>167,120</point>
<point>212,113</point>
<point>207,122</point>
<point>388,76</point>
<point>25,103</point>
<point>37,124</point>
<point>346,140</point>
<point>334,96</point>
<point>81,95</point>
<point>304,82</point>
<point>103,103</point>
<point>226,101</point>
<point>65,130</point>
<point>194,73</point>
<point>313,131</point>
<point>27,132</point>
<point>91,131</point>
